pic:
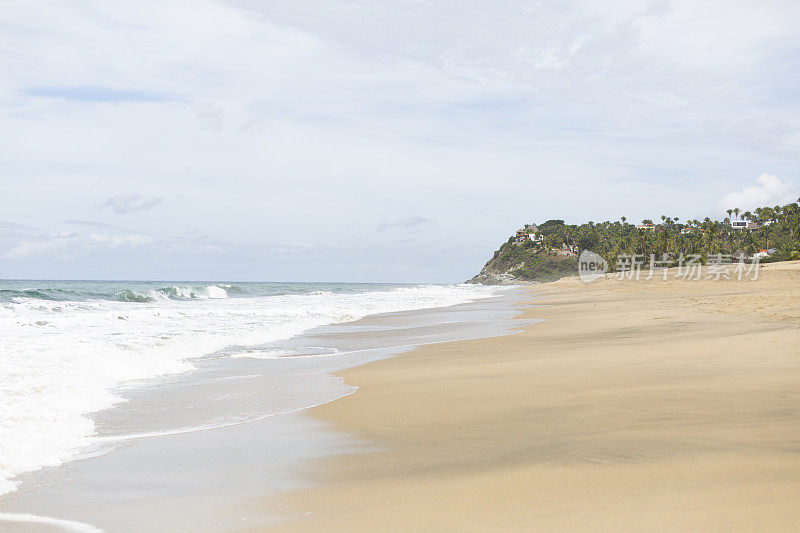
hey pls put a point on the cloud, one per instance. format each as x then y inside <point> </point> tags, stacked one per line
<point>72,242</point>
<point>95,94</point>
<point>770,190</point>
<point>6,226</point>
<point>88,223</point>
<point>408,222</point>
<point>128,203</point>
<point>119,240</point>
<point>58,242</point>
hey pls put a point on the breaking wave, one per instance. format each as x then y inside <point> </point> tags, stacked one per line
<point>174,292</point>
<point>67,346</point>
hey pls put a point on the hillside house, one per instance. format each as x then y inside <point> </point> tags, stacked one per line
<point>690,229</point>
<point>530,232</point>
<point>743,224</point>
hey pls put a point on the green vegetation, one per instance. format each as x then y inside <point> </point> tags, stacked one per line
<point>778,230</point>
<point>528,261</point>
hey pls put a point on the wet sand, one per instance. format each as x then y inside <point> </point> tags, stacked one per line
<point>636,405</point>
<point>215,479</point>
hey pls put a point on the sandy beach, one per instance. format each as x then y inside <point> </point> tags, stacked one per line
<point>635,405</point>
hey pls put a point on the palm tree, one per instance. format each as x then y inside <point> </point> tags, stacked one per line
<point>729,211</point>
<point>737,211</point>
<point>613,239</point>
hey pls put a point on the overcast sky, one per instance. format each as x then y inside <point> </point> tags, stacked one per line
<point>375,140</point>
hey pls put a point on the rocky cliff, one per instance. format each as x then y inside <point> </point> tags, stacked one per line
<point>516,263</point>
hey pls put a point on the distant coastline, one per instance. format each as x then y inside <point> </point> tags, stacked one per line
<point>549,251</point>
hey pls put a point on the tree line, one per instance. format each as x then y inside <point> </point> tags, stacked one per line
<point>778,229</point>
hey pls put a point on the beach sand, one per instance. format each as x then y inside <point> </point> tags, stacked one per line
<point>635,405</point>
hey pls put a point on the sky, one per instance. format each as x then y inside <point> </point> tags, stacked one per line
<point>375,140</point>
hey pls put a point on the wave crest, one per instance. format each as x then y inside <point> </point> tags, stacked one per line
<point>132,296</point>
<point>210,292</point>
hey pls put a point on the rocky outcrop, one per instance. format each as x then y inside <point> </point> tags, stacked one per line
<point>520,263</point>
<point>504,278</point>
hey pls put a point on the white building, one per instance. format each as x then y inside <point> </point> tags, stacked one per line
<point>762,254</point>
<point>743,224</point>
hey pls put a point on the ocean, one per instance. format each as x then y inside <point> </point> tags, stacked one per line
<point>87,363</point>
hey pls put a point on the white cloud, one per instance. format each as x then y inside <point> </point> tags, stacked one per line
<point>56,243</point>
<point>130,202</point>
<point>119,240</point>
<point>72,242</point>
<point>769,191</point>
<point>15,228</point>
<point>406,222</point>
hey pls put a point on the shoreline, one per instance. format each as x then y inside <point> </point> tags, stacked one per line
<point>251,459</point>
<point>634,405</point>
<point>84,351</point>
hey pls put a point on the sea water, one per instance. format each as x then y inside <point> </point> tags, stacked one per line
<point>70,350</point>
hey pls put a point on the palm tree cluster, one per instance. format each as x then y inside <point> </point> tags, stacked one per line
<point>778,228</point>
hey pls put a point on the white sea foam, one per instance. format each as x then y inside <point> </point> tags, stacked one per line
<point>67,525</point>
<point>62,360</point>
